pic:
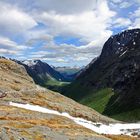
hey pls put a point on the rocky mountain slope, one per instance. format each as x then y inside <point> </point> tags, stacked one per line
<point>111,83</point>
<point>16,123</point>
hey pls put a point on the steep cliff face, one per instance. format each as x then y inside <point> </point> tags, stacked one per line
<point>118,68</point>
<point>123,52</point>
<point>16,123</point>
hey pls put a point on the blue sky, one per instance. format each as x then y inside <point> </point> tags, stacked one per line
<point>63,32</point>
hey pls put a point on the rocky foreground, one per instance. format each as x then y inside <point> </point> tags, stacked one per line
<point>21,124</point>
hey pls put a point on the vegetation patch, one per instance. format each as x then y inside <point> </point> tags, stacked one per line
<point>98,100</point>
<point>55,85</point>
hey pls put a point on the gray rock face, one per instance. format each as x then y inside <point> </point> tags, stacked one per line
<point>124,60</point>
<point>121,55</point>
<point>120,43</point>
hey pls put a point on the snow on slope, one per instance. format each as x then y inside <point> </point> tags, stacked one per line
<point>30,62</point>
<point>115,129</point>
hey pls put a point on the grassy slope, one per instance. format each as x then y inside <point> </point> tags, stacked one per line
<point>129,116</point>
<point>76,91</point>
<point>99,100</point>
<point>55,85</point>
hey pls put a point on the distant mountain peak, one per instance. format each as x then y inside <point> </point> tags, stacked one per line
<point>31,62</point>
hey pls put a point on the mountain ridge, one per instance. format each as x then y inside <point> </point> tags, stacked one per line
<point>40,71</point>
<point>116,70</point>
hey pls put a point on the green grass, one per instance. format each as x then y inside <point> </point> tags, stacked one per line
<point>129,116</point>
<point>98,100</point>
<point>101,100</point>
<point>55,85</point>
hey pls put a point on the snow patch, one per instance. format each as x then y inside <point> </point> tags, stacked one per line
<point>29,62</point>
<point>118,43</point>
<point>123,53</point>
<point>116,129</point>
<point>134,43</point>
<point>137,32</point>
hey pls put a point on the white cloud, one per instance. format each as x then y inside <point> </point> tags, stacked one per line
<point>90,26</point>
<point>125,4</point>
<point>7,52</point>
<point>83,25</point>
<point>136,23</point>
<point>138,1</point>
<point>9,44</point>
<point>65,6</point>
<point>65,53</point>
<point>136,16</point>
<point>13,20</point>
<point>35,36</point>
<point>60,60</point>
<point>33,22</point>
<point>137,13</point>
<point>122,22</point>
<point>116,1</point>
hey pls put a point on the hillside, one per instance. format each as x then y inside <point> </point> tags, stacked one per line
<point>43,74</point>
<point>111,83</point>
<point>16,123</point>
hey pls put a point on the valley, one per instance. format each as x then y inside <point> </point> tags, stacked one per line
<point>69,69</point>
<point>30,101</point>
<point>44,109</point>
<point>48,76</point>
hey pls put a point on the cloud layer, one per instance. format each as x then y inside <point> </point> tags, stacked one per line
<point>62,32</point>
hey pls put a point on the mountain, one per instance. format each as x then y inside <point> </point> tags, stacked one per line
<point>17,87</point>
<point>41,72</point>
<point>54,78</point>
<point>111,83</point>
<point>70,73</point>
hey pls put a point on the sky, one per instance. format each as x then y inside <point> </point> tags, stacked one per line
<point>63,32</point>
